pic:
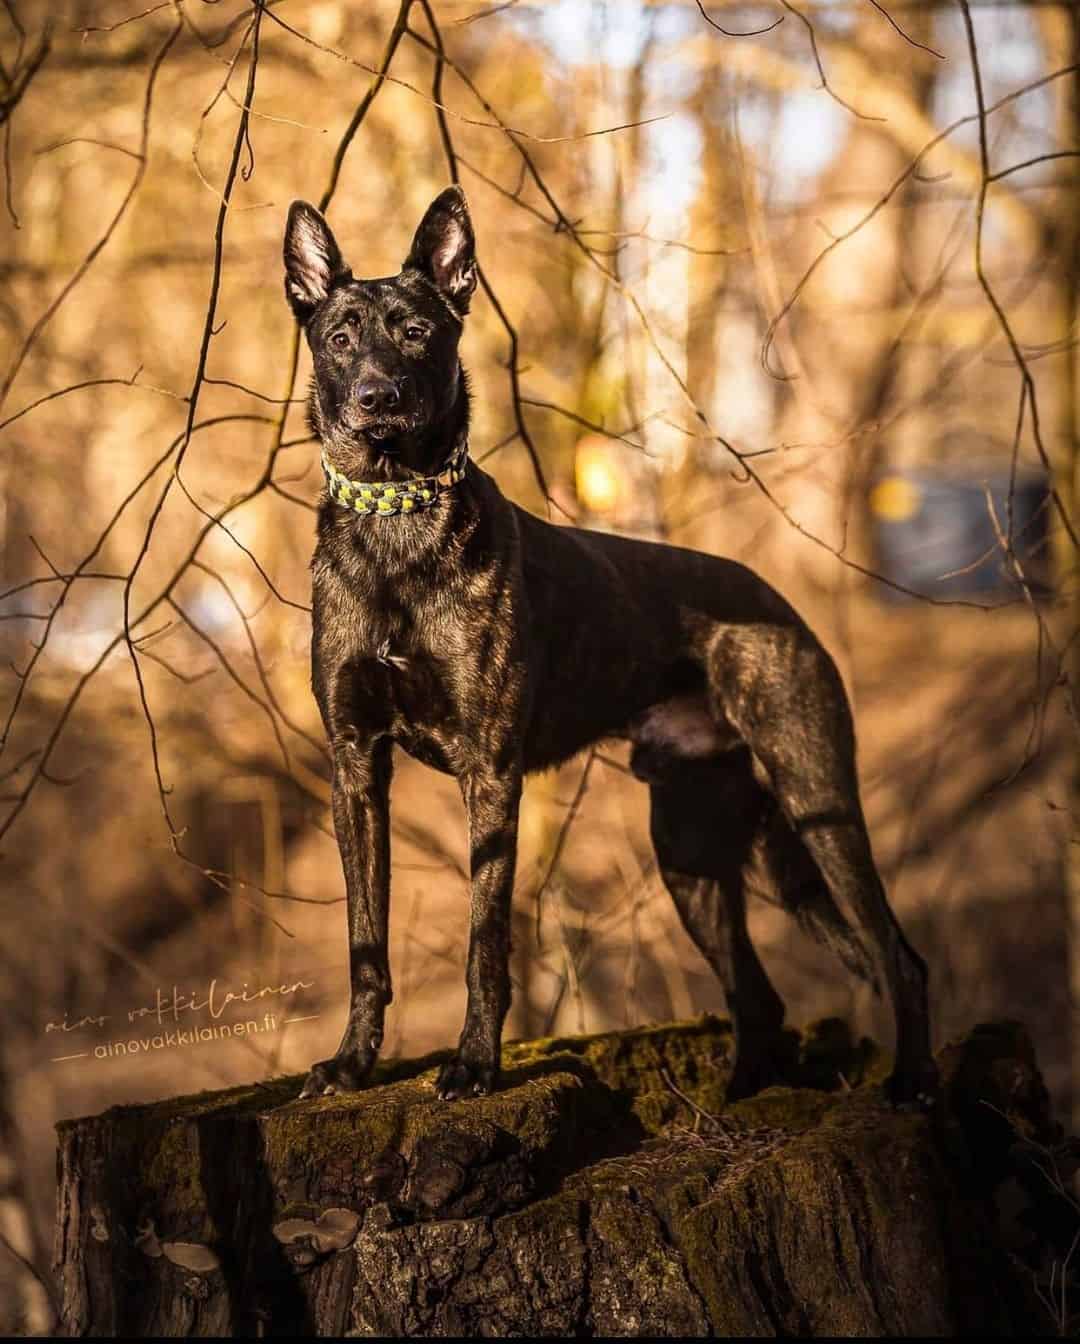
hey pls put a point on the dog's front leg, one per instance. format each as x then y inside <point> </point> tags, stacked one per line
<point>491,803</point>
<point>361,806</point>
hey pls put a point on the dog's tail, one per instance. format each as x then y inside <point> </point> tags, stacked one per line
<point>787,869</point>
<point>820,918</point>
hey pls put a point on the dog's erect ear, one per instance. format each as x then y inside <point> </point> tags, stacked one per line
<point>313,262</point>
<point>444,248</point>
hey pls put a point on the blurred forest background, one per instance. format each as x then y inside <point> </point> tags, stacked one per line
<point>796,283</point>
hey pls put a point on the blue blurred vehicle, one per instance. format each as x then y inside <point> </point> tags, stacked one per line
<point>934,533</point>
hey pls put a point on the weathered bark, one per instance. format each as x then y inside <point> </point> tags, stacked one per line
<point>593,1194</point>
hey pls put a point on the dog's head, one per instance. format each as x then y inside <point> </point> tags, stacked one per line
<point>388,384</point>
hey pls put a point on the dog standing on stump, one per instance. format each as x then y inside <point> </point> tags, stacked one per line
<point>488,644</point>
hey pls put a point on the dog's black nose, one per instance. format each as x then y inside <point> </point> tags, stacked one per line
<point>377,396</point>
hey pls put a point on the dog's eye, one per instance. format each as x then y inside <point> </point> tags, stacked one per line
<point>413,332</point>
<point>340,340</point>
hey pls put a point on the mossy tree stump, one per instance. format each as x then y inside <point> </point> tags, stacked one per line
<point>605,1189</point>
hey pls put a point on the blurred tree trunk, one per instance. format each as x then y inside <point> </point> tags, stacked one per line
<point>24,1307</point>
<point>713,223</point>
<point>847,371</point>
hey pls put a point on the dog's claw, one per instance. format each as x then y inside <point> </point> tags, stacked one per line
<point>917,1091</point>
<point>343,1073</point>
<point>459,1078</point>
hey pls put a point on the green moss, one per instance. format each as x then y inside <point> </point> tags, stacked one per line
<point>842,1162</point>
<point>247,1097</point>
<point>788,1108</point>
<point>398,1115</point>
<point>649,1066</point>
<point>170,1174</point>
<point>364,1123</point>
<point>561,1097</point>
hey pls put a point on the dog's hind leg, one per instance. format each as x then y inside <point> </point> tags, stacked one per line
<point>783,695</point>
<point>704,818</point>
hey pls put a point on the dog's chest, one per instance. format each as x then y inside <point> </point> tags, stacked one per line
<point>423,713</point>
<point>401,673</point>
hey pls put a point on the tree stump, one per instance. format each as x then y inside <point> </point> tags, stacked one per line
<point>605,1189</point>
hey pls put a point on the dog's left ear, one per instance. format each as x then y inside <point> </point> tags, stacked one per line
<point>444,248</point>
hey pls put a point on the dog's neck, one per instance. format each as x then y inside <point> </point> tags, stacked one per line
<point>401,538</point>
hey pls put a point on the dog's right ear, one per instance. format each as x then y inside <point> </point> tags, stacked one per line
<point>313,261</point>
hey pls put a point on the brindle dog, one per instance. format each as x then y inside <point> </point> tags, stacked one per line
<point>488,644</point>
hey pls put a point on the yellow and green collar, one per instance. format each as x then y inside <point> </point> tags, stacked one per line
<point>383,499</point>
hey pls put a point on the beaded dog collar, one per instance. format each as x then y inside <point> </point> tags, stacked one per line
<point>383,499</point>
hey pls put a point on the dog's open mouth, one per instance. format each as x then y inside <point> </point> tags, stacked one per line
<point>381,431</point>
<point>384,432</point>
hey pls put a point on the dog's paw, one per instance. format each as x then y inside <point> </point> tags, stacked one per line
<point>748,1081</point>
<point>915,1089</point>
<point>343,1073</point>
<point>460,1077</point>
